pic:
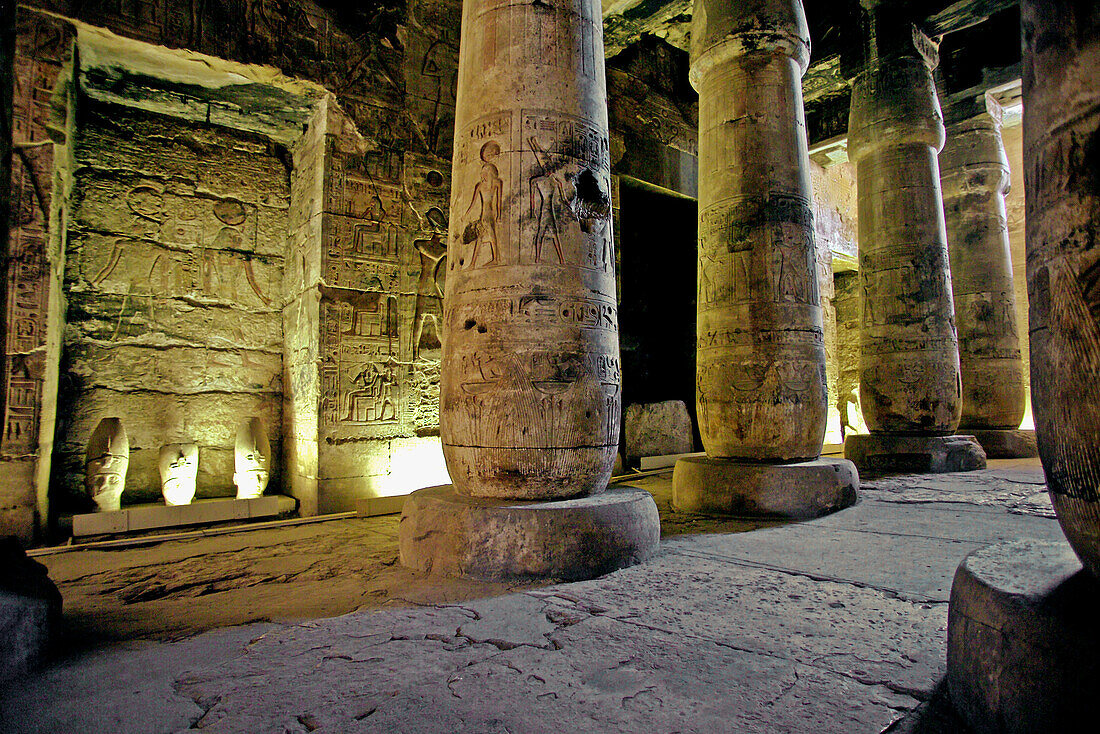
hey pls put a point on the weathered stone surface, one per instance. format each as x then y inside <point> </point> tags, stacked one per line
<point>975,176</point>
<point>1061,113</point>
<point>444,532</point>
<point>30,611</point>
<point>530,386</point>
<point>883,453</point>
<point>761,379</point>
<point>1022,650</point>
<point>1004,444</point>
<point>798,491</point>
<point>656,429</point>
<point>909,365</point>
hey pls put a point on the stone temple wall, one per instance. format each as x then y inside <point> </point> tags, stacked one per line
<point>173,281</point>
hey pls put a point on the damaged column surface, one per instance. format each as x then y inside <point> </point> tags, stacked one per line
<point>761,386</point>
<point>530,382</point>
<point>910,388</point>
<point>975,177</point>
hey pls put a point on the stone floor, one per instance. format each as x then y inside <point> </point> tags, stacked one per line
<point>835,625</point>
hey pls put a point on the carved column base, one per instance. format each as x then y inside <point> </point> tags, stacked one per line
<point>1022,650</point>
<point>799,491</point>
<point>444,532</point>
<point>1006,443</point>
<point>888,453</point>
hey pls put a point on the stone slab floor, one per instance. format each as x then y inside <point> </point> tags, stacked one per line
<point>835,625</point>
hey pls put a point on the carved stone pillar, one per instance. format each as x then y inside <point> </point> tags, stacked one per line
<point>761,383</point>
<point>909,363</point>
<point>1061,118</point>
<point>1022,643</point>
<point>530,381</point>
<point>975,177</point>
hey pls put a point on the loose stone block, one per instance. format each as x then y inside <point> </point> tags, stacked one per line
<point>1061,116</point>
<point>30,610</point>
<point>975,177</point>
<point>885,453</point>
<point>998,444</point>
<point>909,364</point>
<point>657,429</point>
<point>1023,654</point>
<point>530,383</point>
<point>761,380</point>
<point>799,491</point>
<point>442,531</point>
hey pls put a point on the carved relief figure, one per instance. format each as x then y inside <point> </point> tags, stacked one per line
<point>488,199</point>
<point>375,399</point>
<point>428,293</point>
<point>548,196</point>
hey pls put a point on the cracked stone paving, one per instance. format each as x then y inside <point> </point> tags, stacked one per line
<point>833,625</point>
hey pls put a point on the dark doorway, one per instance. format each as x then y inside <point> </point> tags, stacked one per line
<point>657,264</point>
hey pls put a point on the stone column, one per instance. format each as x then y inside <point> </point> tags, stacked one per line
<point>1022,643</point>
<point>530,381</point>
<point>760,367</point>
<point>1062,181</point>
<point>910,388</point>
<point>974,174</point>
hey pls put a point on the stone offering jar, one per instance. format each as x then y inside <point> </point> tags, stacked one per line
<point>179,469</point>
<point>107,459</point>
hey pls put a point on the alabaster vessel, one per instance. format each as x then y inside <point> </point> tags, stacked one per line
<point>106,461</point>
<point>179,469</point>
<point>251,460</point>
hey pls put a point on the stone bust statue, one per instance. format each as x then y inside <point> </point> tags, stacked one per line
<point>105,464</point>
<point>179,469</point>
<point>251,460</point>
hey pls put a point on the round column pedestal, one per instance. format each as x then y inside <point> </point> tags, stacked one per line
<point>1006,443</point>
<point>799,491</point>
<point>888,453</point>
<point>1023,649</point>
<point>444,532</point>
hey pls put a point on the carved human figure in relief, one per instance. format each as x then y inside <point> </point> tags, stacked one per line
<point>374,400</point>
<point>428,293</point>
<point>547,188</point>
<point>488,196</point>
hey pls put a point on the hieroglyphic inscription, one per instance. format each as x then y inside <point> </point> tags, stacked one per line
<point>42,44</point>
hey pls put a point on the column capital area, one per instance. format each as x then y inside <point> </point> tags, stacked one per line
<point>723,31</point>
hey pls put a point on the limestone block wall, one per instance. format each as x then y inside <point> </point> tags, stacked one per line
<point>174,267</point>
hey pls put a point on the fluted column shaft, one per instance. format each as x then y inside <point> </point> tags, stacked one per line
<point>761,385</point>
<point>975,177</point>
<point>909,363</point>
<point>1062,199</point>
